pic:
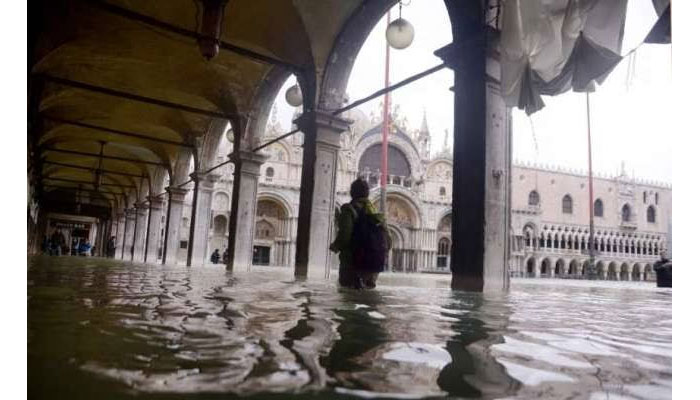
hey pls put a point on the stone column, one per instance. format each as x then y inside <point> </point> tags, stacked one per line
<point>176,200</point>
<point>317,199</point>
<point>244,203</point>
<point>139,232</point>
<point>128,234</point>
<point>481,180</point>
<point>121,224</point>
<point>155,216</point>
<point>200,234</point>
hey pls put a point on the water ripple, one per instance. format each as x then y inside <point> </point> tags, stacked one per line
<point>100,328</point>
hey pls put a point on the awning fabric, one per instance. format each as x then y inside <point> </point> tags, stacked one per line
<point>551,46</point>
<point>661,32</point>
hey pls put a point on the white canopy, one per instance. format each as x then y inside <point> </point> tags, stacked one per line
<point>551,46</point>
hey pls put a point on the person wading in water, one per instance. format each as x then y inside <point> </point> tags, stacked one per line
<point>362,241</point>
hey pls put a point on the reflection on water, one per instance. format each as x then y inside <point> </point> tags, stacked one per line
<point>104,329</point>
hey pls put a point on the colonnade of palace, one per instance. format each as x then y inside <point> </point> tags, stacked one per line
<point>562,251</point>
<point>613,243</point>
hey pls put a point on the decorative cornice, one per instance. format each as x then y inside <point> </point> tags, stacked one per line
<point>584,174</point>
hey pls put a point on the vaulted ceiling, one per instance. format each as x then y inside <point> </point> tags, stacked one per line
<point>125,78</point>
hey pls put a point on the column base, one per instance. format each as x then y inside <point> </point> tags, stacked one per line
<point>467,283</point>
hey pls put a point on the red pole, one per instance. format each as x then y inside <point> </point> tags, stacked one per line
<point>591,242</point>
<point>385,125</point>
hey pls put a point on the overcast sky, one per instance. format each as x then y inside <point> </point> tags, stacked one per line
<point>629,117</point>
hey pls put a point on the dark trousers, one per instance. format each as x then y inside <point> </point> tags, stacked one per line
<point>349,277</point>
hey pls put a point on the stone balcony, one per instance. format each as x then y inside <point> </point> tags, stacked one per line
<point>631,225</point>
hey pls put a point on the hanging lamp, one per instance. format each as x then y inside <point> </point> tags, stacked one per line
<point>400,33</point>
<point>294,96</point>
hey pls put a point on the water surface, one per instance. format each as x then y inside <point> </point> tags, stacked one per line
<point>106,329</point>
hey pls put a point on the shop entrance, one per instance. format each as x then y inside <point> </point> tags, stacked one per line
<point>261,255</point>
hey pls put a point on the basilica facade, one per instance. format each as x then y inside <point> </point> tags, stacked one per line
<point>549,211</point>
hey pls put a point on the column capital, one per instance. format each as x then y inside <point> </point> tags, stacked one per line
<point>457,55</point>
<point>324,120</point>
<point>155,201</point>
<point>206,181</point>
<point>248,156</point>
<point>249,162</point>
<point>140,206</point>
<point>176,194</point>
<point>205,178</point>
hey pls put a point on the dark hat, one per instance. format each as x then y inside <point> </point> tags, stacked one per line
<point>359,189</point>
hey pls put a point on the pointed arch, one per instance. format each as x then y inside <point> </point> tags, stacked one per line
<point>598,209</point>
<point>567,204</point>
<point>626,213</point>
<point>533,198</point>
<point>651,214</point>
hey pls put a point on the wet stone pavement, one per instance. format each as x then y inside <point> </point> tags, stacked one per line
<point>106,329</point>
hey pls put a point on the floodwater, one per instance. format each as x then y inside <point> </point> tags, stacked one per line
<point>110,330</point>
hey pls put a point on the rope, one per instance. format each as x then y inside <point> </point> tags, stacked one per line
<point>537,153</point>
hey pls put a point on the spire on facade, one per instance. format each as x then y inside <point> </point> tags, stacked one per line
<point>273,115</point>
<point>445,152</point>
<point>424,131</point>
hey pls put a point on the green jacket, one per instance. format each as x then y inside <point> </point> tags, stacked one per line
<point>345,221</point>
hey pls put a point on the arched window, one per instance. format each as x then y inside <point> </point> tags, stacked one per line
<point>626,213</point>
<point>398,162</point>
<point>598,208</point>
<point>645,197</point>
<point>567,205</point>
<point>529,234</point>
<point>651,214</point>
<point>443,192</point>
<point>656,199</point>
<point>534,198</point>
<point>269,174</point>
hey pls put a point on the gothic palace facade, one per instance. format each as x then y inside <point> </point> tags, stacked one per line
<point>549,224</point>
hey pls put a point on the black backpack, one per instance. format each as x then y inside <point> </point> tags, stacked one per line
<point>368,243</point>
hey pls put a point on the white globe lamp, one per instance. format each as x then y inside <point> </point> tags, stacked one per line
<point>400,33</point>
<point>293,96</point>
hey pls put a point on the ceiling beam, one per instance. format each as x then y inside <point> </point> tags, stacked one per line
<point>102,171</point>
<point>125,159</point>
<point>88,182</point>
<point>136,97</point>
<point>156,23</point>
<point>49,185</point>
<point>117,131</point>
